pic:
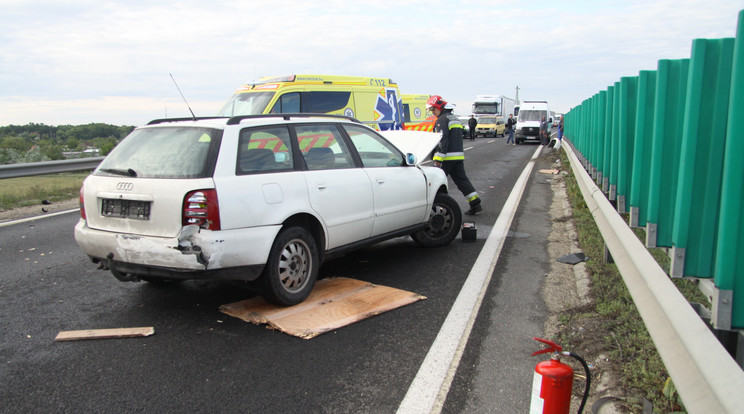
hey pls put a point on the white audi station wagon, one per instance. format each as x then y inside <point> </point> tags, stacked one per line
<point>263,198</point>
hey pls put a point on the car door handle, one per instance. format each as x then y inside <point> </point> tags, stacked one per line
<point>380,181</point>
<point>321,186</point>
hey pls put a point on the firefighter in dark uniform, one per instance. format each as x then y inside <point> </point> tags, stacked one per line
<point>450,155</point>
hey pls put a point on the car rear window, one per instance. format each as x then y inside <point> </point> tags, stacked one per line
<point>264,149</point>
<point>164,152</point>
<point>322,147</point>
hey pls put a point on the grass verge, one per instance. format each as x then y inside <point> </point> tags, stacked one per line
<point>613,319</point>
<point>26,191</point>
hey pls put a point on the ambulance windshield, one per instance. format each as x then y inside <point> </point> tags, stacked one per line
<point>246,103</point>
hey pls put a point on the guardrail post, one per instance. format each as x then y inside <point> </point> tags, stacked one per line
<point>626,138</point>
<point>703,139</point>
<point>671,90</point>
<point>642,148</point>
<point>729,265</point>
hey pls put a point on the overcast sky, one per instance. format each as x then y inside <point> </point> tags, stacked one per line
<point>82,61</point>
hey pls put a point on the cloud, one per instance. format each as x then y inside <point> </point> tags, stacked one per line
<point>118,53</point>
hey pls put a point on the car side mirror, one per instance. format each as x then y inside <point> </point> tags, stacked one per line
<point>411,159</point>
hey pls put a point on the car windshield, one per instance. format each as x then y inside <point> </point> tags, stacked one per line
<point>530,115</point>
<point>246,103</point>
<point>487,120</point>
<point>163,152</point>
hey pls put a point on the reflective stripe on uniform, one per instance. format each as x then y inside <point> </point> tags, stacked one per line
<point>450,156</point>
<point>472,196</point>
<point>454,156</point>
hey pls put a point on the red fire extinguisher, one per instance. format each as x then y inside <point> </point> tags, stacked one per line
<point>553,380</point>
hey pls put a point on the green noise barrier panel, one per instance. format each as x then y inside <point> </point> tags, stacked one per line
<point>668,146</point>
<point>628,100</point>
<point>703,139</point>
<point>671,92</point>
<point>729,255</point>
<point>642,148</point>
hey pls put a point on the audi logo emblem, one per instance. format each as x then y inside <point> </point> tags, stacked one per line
<point>123,186</point>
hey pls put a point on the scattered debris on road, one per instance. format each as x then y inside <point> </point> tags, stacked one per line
<point>572,258</point>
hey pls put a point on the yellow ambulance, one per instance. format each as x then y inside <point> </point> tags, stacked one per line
<point>373,101</point>
<point>415,116</point>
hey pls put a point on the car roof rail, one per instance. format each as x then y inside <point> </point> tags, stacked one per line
<point>287,116</point>
<point>164,120</point>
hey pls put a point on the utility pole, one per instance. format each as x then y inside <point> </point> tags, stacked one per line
<point>517,95</point>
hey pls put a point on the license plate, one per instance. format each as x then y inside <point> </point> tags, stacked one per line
<point>131,209</point>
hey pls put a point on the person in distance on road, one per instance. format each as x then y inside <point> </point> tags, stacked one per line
<point>472,123</point>
<point>544,137</point>
<point>450,155</point>
<point>510,129</point>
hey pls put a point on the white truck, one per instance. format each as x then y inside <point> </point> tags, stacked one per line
<point>491,105</point>
<point>530,115</point>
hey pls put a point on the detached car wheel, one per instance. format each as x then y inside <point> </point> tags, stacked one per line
<point>445,220</point>
<point>292,268</point>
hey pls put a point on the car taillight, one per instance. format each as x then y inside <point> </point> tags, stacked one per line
<point>201,208</point>
<point>82,204</point>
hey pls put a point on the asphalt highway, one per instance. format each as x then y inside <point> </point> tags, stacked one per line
<point>200,360</point>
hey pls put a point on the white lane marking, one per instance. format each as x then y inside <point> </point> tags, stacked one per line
<point>429,388</point>
<point>27,219</point>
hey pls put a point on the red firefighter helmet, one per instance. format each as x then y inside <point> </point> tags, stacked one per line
<point>436,101</point>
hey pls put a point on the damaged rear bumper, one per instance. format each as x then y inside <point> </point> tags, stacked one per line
<point>193,254</point>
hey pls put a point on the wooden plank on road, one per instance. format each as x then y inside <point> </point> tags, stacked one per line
<point>104,333</point>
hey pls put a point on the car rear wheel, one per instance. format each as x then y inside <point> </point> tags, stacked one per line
<point>292,268</point>
<point>445,220</point>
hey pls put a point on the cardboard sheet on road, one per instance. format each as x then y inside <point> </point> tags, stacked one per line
<point>334,303</point>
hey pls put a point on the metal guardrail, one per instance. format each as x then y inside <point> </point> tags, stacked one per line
<point>48,167</point>
<point>707,378</point>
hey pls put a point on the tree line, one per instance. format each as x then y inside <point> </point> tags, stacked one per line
<point>39,142</point>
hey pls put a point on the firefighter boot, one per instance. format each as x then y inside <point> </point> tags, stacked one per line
<point>475,207</point>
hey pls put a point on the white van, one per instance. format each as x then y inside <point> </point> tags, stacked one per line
<point>528,120</point>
